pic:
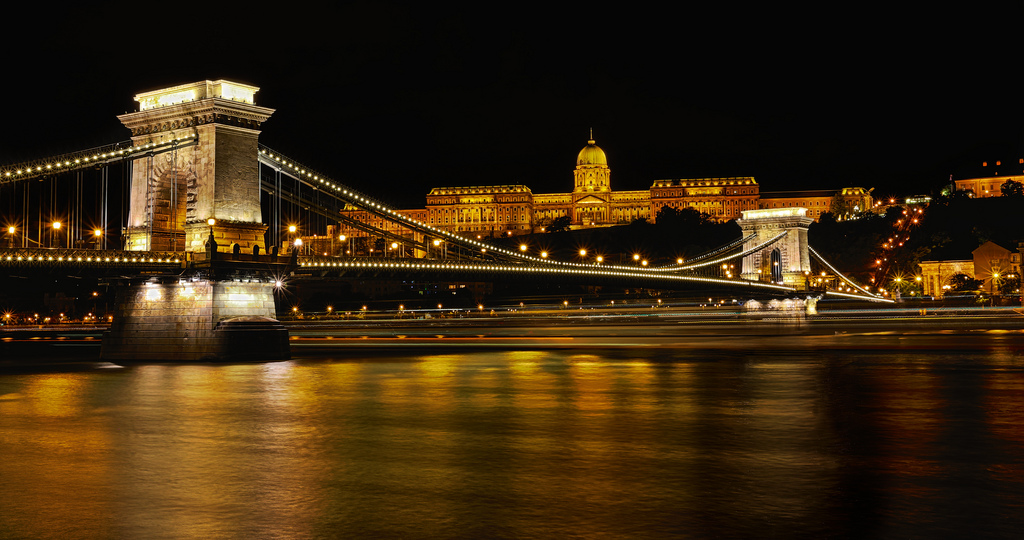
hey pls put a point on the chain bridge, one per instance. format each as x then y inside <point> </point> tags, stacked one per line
<point>198,233</point>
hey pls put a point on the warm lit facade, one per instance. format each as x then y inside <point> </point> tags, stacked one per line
<point>986,187</point>
<point>481,209</point>
<point>991,186</point>
<point>506,210</point>
<point>993,262</point>
<point>935,275</point>
<point>721,198</point>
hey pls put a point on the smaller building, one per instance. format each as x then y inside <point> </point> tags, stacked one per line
<point>851,200</point>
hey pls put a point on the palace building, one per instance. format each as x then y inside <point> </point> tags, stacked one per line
<point>507,210</point>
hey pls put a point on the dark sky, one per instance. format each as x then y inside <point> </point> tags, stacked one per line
<point>395,100</point>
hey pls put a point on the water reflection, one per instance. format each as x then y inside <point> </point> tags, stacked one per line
<point>652,444</point>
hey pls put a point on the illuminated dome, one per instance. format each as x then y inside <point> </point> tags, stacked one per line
<point>591,155</point>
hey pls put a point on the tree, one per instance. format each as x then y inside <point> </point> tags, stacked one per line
<point>686,218</point>
<point>840,206</point>
<point>1009,284</point>
<point>1012,188</point>
<point>963,283</point>
<point>559,224</point>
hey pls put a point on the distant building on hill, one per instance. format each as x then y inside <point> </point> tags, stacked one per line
<point>988,180</point>
<point>507,210</point>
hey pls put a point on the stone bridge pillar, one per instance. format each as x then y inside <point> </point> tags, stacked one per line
<point>787,261</point>
<point>174,194</point>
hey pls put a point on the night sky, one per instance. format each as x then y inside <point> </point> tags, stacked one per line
<point>395,100</point>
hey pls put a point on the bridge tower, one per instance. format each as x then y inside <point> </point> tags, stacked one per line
<point>204,197</point>
<point>786,261</point>
<point>214,175</point>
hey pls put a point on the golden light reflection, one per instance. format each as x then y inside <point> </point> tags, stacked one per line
<point>439,366</point>
<point>591,382</point>
<point>56,444</point>
<point>56,395</point>
<point>525,362</point>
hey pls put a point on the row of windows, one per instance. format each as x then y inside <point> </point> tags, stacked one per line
<point>435,202</point>
<point>785,204</point>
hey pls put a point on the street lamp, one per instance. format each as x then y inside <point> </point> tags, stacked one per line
<point>56,230</point>
<point>10,236</point>
<point>97,235</point>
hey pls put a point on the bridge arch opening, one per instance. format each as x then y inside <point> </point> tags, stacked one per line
<point>775,268</point>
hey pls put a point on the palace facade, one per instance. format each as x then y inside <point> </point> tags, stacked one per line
<point>507,210</point>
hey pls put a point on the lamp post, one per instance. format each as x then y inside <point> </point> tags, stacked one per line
<point>211,243</point>
<point>97,237</point>
<point>11,234</point>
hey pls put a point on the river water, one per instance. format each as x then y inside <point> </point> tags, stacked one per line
<point>748,441</point>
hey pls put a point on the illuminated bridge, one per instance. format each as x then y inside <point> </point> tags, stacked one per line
<point>200,214</point>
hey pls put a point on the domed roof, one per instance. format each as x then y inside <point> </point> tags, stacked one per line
<point>591,155</point>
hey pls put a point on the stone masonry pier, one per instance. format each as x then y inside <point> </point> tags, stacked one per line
<point>195,320</point>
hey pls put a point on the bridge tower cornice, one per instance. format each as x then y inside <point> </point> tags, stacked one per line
<point>144,124</point>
